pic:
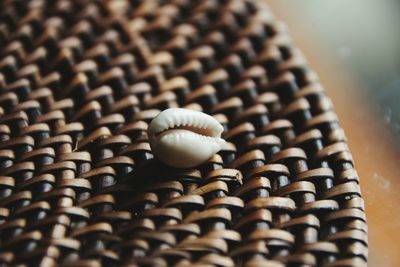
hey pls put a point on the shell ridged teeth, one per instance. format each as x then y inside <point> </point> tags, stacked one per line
<point>185,138</point>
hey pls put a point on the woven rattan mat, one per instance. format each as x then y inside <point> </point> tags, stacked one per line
<point>79,186</point>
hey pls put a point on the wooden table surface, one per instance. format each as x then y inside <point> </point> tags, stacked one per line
<point>376,155</point>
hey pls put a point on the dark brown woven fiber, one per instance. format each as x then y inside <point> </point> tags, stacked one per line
<point>79,186</point>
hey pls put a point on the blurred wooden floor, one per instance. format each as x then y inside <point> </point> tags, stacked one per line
<point>373,146</point>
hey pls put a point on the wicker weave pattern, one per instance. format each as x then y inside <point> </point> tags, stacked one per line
<point>79,83</point>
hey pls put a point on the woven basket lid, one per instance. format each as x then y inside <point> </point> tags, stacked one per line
<point>80,82</point>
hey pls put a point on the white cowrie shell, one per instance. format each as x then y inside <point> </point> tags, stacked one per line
<point>185,138</point>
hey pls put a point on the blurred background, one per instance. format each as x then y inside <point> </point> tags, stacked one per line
<point>354,47</point>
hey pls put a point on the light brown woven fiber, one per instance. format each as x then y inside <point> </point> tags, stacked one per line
<point>79,186</point>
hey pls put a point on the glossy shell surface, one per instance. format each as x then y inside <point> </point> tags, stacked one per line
<point>184,138</point>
